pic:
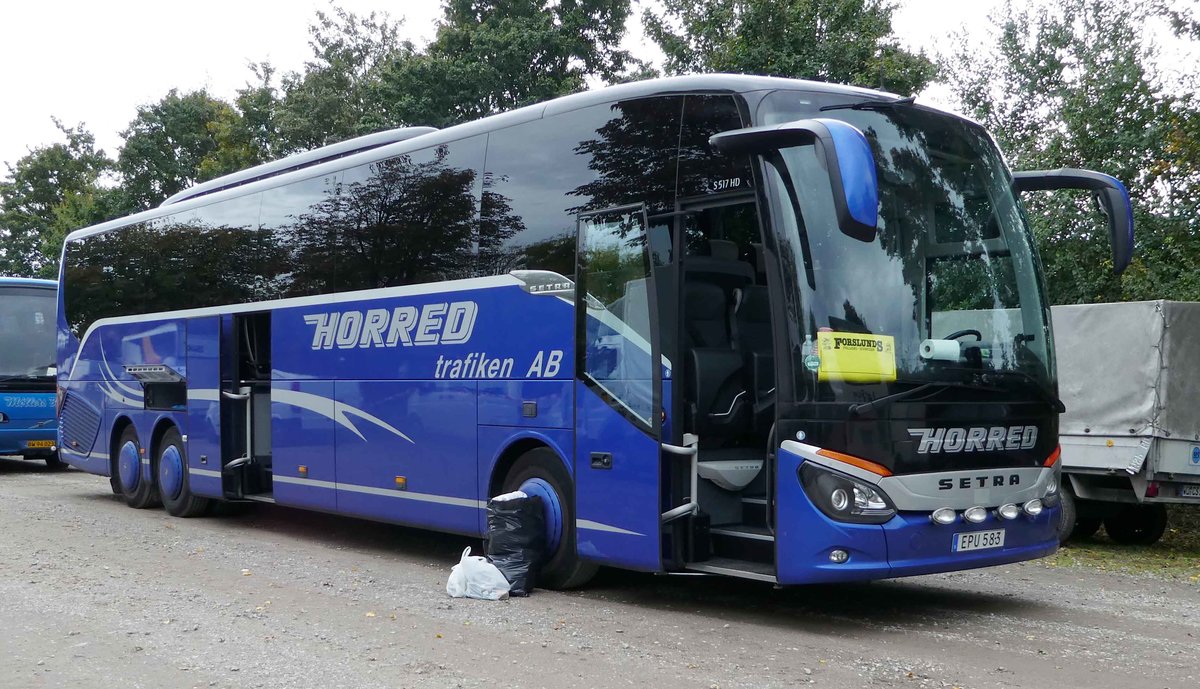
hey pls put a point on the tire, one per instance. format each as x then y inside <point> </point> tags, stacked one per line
<point>171,475</point>
<point>561,569</point>
<point>54,463</point>
<point>138,492</point>
<point>1137,524</point>
<point>1068,515</point>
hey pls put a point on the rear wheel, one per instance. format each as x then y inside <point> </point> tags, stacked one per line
<point>540,472</point>
<point>170,469</point>
<point>53,463</point>
<point>1137,524</point>
<point>137,490</point>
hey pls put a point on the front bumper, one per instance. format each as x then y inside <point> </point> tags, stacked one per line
<point>909,544</point>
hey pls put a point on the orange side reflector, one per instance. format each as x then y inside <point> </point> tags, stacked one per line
<point>1053,456</point>
<point>857,462</point>
<point>303,471</point>
<point>401,483</point>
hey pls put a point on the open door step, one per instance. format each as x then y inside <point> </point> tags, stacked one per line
<point>744,542</point>
<point>754,509</point>
<point>732,567</point>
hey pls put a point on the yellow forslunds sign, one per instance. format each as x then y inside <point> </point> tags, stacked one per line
<point>856,357</point>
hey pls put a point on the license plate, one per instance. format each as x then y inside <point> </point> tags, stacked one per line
<point>40,443</point>
<point>978,540</point>
<point>1190,490</point>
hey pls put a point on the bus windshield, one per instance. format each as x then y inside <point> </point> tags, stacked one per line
<point>951,280</point>
<point>26,334</point>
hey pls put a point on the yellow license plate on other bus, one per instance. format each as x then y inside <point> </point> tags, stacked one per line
<point>40,443</point>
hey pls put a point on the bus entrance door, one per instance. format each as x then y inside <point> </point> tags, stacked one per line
<point>619,393</point>
<point>246,408</point>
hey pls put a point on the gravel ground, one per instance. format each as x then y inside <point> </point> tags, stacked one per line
<point>95,594</point>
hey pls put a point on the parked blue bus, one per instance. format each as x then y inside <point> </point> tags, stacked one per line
<point>27,369</point>
<point>758,327</point>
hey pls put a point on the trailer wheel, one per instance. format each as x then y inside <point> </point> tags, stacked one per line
<point>1137,524</point>
<point>540,472</point>
<point>1067,516</point>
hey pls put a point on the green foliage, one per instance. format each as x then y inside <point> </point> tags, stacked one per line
<point>47,193</point>
<point>1074,84</point>
<point>177,142</point>
<point>495,55</point>
<point>336,97</point>
<point>845,41</point>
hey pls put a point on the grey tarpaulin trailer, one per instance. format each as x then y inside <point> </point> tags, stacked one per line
<point>1129,375</point>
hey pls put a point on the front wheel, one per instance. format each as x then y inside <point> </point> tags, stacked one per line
<point>540,472</point>
<point>170,467</point>
<point>1137,524</point>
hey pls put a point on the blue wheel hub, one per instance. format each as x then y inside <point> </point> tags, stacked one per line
<point>170,472</point>
<point>129,466</point>
<point>551,509</point>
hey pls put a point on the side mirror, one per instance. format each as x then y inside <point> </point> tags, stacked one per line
<point>848,159</point>
<point>1111,194</point>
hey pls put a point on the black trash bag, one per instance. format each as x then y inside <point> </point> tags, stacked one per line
<point>516,540</point>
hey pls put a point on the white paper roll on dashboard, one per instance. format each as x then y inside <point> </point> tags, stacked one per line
<point>941,350</point>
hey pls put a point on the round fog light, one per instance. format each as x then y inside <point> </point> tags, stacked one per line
<point>975,515</point>
<point>943,516</point>
<point>1009,511</point>
<point>1033,508</point>
<point>838,556</point>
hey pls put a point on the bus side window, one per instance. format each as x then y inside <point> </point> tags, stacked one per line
<point>411,218</point>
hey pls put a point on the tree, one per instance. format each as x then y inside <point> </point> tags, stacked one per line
<point>177,142</point>
<point>1074,84</point>
<point>335,97</point>
<point>495,55</point>
<point>844,41</point>
<point>49,192</point>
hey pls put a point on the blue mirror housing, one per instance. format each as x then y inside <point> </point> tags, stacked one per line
<point>1112,196</point>
<point>847,156</point>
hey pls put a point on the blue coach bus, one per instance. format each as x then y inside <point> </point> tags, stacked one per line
<point>27,369</point>
<point>758,327</point>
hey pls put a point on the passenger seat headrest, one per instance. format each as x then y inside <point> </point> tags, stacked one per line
<point>723,249</point>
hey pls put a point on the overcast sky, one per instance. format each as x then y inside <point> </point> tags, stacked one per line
<point>95,62</point>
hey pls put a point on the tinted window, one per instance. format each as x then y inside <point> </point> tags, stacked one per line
<point>298,258</point>
<point>541,174</point>
<point>409,219</point>
<point>703,170</point>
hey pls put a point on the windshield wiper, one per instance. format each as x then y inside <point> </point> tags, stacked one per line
<point>1045,395</point>
<point>936,386</point>
<point>870,104</point>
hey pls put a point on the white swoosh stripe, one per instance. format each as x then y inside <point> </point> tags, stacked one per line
<point>598,526</point>
<point>331,409</point>
<point>386,492</point>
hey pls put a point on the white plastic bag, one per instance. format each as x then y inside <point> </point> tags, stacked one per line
<point>475,577</point>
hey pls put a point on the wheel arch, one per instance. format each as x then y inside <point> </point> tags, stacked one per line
<point>119,424</point>
<point>512,449</point>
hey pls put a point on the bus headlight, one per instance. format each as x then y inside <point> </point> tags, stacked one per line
<point>844,499</point>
